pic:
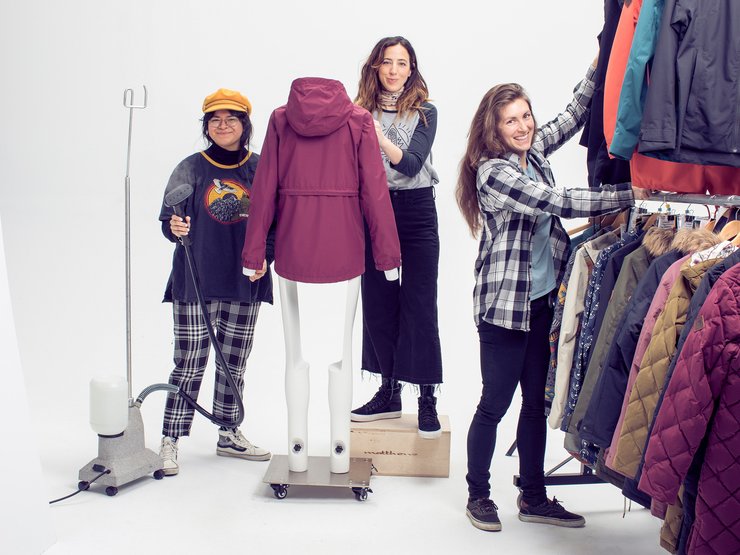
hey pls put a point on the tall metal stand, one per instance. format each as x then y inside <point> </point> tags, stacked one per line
<point>125,455</point>
<point>128,102</point>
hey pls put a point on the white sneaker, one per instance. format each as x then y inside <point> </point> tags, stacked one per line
<point>168,454</point>
<point>232,443</point>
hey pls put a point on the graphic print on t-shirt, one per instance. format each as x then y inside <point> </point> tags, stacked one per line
<point>399,133</point>
<point>227,201</point>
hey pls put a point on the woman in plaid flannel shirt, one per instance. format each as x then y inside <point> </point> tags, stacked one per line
<point>507,194</point>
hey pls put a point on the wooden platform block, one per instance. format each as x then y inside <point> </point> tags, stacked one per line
<point>396,448</point>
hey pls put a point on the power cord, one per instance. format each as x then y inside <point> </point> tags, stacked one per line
<point>82,487</point>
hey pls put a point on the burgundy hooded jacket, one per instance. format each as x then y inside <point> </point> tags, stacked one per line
<point>319,177</point>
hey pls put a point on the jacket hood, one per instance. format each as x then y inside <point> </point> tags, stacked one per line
<point>689,240</point>
<point>657,241</point>
<point>317,107</point>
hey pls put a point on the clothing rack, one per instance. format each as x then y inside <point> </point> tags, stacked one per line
<point>586,475</point>
<point>688,198</point>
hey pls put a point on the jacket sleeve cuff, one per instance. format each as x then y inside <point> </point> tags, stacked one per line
<point>252,264</point>
<point>387,264</point>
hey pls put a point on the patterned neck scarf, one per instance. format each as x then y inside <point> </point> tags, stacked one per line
<point>387,100</point>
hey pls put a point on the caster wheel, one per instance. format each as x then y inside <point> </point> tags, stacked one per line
<point>279,490</point>
<point>361,493</point>
<point>82,486</point>
<point>110,491</point>
<point>158,474</point>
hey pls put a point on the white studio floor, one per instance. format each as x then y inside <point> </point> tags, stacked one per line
<point>220,504</point>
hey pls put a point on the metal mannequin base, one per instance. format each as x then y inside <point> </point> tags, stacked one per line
<point>280,477</point>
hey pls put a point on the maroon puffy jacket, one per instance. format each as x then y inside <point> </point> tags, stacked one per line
<point>702,402</point>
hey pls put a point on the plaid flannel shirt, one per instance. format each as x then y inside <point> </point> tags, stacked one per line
<point>510,202</point>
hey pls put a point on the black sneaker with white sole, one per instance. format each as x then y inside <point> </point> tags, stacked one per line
<point>429,427</point>
<point>386,403</point>
<point>483,514</point>
<point>550,512</point>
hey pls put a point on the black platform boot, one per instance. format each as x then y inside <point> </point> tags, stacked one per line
<point>429,427</point>
<point>386,403</point>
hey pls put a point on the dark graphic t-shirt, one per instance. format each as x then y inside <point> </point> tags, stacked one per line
<point>219,209</point>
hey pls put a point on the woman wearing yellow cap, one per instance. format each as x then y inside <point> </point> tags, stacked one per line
<point>215,220</point>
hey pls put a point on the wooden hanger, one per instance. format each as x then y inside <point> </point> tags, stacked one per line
<point>730,231</point>
<point>713,219</point>
<point>650,221</point>
<point>580,228</point>
<point>613,223</point>
<point>736,240</point>
<point>726,213</point>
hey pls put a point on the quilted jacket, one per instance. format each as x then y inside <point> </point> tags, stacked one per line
<point>702,405</point>
<point>603,411</point>
<point>320,176</point>
<point>679,517</point>
<point>654,367</point>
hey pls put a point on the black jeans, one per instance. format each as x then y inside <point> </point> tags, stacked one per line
<point>400,336</point>
<point>511,357</point>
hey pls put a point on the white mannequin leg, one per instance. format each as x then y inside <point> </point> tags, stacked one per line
<point>296,378</point>
<point>340,387</point>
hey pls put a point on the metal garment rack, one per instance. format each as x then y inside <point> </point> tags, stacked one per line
<point>689,198</point>
<point>586,475</point>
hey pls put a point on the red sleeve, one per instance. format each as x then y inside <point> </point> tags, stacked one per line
<point>263,201</point>
<point>375,199</point>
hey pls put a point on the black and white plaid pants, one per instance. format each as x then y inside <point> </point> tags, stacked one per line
<point>233,324</point>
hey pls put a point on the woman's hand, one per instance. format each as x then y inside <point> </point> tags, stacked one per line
<point>379,132</point>
<point>393,153</point>
<point>641,194</point>
<point>178,226</point>
<point>259,273</point>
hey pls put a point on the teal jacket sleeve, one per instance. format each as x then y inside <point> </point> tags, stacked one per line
<point>634,86</point>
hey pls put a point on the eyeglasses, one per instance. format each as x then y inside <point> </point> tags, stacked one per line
<point>231,121</point>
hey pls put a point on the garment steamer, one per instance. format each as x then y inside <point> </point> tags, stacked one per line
<point>122,455</point>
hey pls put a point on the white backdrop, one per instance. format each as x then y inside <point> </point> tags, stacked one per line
<point>65,66</point>
<point>27,523</point>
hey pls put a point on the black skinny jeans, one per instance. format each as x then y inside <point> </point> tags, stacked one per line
<point>511,357</point>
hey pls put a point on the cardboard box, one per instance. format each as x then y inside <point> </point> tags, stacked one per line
<point>396,448</point>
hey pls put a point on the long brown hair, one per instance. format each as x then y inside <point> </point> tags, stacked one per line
<point>484,142</point>
<point>415,92</point>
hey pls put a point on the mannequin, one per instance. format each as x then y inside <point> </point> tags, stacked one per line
<point>297,379</point>
<point>296,382</point>
<point>321,183</point>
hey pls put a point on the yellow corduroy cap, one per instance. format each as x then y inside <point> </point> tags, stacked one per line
<point>226,99</point>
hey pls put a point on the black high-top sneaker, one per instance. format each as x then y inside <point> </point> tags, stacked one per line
<point>429,427</point>
<point>386,403</point>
